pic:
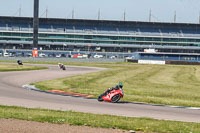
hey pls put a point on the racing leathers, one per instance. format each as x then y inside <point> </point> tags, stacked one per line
<point>117,87</point>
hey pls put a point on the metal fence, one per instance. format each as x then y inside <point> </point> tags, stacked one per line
<point>46,59</point>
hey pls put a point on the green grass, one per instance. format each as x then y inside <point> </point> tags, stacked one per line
<point>175,85</point>
<point>13,67</point>
<point>156,84</point>
<point>94,120</point>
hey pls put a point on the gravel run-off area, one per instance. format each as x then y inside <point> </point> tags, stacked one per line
<point>23,126</point>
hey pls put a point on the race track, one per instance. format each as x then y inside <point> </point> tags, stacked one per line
<point>12,93</point>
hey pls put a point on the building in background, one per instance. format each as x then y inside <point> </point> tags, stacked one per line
<point>99,35</point>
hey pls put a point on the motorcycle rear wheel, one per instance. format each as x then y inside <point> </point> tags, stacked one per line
<point>115,98</point>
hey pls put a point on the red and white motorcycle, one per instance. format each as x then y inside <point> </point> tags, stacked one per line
<point>113,96</point>
<point>61,66</point>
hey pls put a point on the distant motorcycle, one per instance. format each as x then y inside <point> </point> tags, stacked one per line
<point>113,96</point>
<point>19,62</point>
<point>61,66</point>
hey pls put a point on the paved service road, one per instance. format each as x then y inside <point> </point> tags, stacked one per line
<point>12,93</point>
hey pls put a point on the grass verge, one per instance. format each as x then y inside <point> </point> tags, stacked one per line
<point>95,120</point>
<point>155,84</point>
<point>13,67</point>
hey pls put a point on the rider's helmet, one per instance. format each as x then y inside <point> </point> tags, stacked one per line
<point>120,84</point>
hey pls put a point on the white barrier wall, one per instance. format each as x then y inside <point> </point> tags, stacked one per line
<point>151,62</point>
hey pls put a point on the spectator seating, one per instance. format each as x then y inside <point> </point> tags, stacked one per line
<point>136,30</point>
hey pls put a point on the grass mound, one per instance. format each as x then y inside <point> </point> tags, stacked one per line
<point>156,84</point>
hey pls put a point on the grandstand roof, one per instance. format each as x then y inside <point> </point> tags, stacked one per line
<point>107,23</point>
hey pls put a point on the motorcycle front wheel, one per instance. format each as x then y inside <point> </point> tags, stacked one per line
<point>100,99</point>
<point>115,98</point>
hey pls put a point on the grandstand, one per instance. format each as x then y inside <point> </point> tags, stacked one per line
<point>99,35</point>
<point>186,57</point>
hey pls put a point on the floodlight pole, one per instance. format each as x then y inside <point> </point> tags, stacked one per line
<point>124,15</point>
<point>73,14</point>
<point>150,15</point>
<point>35,23</point>
<point>175,17</point>
<point>20,10</point>
<point>99,14</point>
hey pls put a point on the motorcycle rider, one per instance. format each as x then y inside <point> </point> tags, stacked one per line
<point>61,66</point>
<point>19,62</point>
<point>117,87</point>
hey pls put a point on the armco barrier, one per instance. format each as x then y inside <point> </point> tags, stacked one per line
<point>164,62</point>
<point>130,60</point>
<point>182,63</point>
<point>151,62</point>
<point>146,61</point>
<point>46,59</point>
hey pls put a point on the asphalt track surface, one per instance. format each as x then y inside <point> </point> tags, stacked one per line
<point>12,93</point>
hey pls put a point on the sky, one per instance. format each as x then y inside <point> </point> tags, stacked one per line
<point>187,11</point>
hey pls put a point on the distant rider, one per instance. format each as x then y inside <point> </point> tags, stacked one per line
<point>19,62</point>
<point>60,65</point>
<point>117,87</point>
